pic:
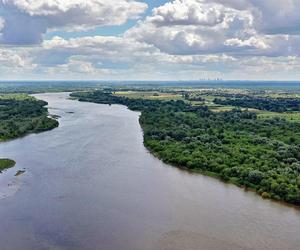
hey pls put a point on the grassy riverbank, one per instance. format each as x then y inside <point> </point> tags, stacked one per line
<point>235,146</point>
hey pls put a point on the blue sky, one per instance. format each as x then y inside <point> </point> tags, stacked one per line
<point>110,30</point>
<point>150,40</point>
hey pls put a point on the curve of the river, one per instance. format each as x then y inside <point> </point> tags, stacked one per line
<point>91,184</point>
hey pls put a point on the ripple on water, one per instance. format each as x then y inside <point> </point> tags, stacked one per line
<point>9,182</point>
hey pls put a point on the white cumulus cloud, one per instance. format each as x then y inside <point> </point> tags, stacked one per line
<point>27,20</point>
<point>9,58</point>
<point>179,39</point>
<point>195,27</point>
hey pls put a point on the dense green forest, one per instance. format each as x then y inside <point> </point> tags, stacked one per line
<point>262,103</point>
<point>106,97</point>
<point>20,115</point>
<point>236,146</point>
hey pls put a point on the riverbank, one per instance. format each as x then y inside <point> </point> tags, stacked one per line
<point>234,146</point>
<point>217,176</point>
<point>20,115</point>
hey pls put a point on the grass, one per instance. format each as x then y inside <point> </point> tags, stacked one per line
<point>6,163</point>
<point>157,95</point>
<point>289,116</point>
<point>19,97</point>
<point>219,108</point>
<point>151,95</point>
<point>282,95</point>
<point>212,106</point>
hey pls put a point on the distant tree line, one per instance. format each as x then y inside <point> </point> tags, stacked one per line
<point>262,103</point>
<point>193,97</point>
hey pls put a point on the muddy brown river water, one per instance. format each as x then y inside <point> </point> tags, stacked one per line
<point>91,184</point>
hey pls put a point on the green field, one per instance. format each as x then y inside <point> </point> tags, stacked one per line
<point>18,97</point>
<point>209,98</point>
<point>289,116</point>
<point>151,95</point>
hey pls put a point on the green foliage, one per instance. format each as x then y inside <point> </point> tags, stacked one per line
<point>6,163</point>
<point>21,114</point>
<point>235,146</point>
<point>262,103</point>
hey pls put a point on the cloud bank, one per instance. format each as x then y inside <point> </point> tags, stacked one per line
<point>181,39</point>
<point>27,20</point>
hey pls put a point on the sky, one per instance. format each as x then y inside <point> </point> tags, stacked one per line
<point>149,40</point>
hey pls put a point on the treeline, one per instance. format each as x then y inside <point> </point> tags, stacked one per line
<point>262,103</point>
<point>235,146</point>
<point>193,97</point>
<point>20,116</point>
<point>106,97</point>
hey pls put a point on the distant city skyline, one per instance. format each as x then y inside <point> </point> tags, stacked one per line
<point>150,40</point>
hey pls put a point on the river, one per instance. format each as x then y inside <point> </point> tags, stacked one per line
<point>91,184</point>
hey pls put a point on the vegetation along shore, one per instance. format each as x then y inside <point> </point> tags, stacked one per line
<point>235,145</point>
<point>21,114</point>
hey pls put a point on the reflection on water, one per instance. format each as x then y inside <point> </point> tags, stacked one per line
<point>91,184</point>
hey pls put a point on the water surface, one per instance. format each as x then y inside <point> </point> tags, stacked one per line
<point>91,184</point>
